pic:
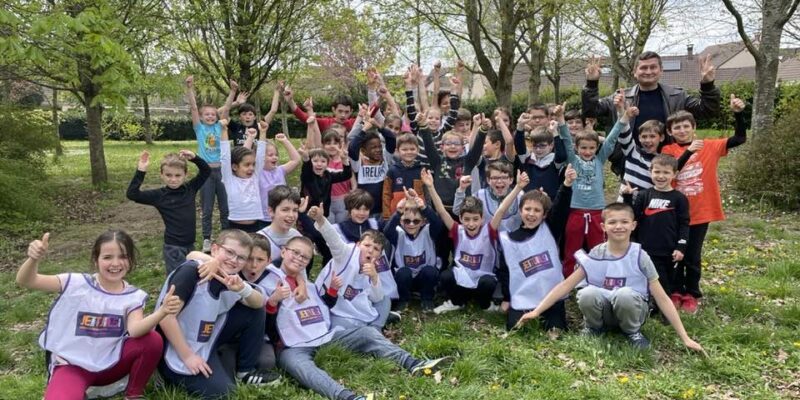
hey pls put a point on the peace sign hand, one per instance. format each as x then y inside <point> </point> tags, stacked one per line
<point>593,69</point>
<point>707,69</point>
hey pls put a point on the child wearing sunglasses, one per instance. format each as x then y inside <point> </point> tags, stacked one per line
<point>411,231</point>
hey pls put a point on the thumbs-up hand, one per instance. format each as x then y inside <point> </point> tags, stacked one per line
<point>627,188</point>
<point>619,100</point>
<point>696,145</point>
<point>38,248</point>
<point>522,179</point>
<point>369,270</point>
<point>737,104</point>
<point>336,280</point>
<point>317,213</point>
<point>172,304</point>
<point>281,292</point>
<point>300,292</point>
<point>144,161</point>
<point>570,175</point>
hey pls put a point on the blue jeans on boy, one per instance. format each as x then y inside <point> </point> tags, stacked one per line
<point>213,188</point>
<point>425,281</point>
<point>299,361</point>
<point>174,256</point>
<point>383,307</point>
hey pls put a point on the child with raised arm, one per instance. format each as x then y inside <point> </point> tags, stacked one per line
<point>403,174</point>
<point>369,158</point>
<point>239,174</point>
<point>499,175</point>
<point>528,261</point>
<point>583,225</point>
<point>209,320</point>
<point>274,175</point>
<point>545,160</point>
<point>175,201</point>
<point>638,157</point>
<point>474,242</point>
<point>411,231</point>
<point>208,131</point>
<point>304,325</point>
<point>363,302</point>
<point>698,160</point>
<point>620,278</point>
<point>248,117</point>
<point>96,332</point>
<point>662,219</point>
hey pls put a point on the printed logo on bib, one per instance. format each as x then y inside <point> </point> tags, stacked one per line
<point>350,293</point>
<point>382,264</point>
<point>536,263</point>
<point>99,325</point>
<point>414,261</point>
<point>309,315</point>
<point>471,261</point>
<point>611,283</point>
<point>371,173</point>
<point>205,331</point>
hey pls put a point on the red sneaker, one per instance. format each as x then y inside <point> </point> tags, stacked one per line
<point>689,304</point>
<point>677,300</point>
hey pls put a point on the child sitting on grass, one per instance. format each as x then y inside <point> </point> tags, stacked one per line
<point>620,278</point>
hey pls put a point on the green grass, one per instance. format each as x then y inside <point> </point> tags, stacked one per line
<point>749,322</point>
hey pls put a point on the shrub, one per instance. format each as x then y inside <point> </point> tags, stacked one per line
<point>775,155</point>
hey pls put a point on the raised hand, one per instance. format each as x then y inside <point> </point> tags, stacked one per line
<point>224,122</point>
<point>486,123</point>
<point>369,270</point>
<point>372,78</point>
<point>455,85</point>
<point>336,280</point>
<point>737,104</point>
<point>593,69</point>
<point>464,182</point>
<point>570,175</point>
<point>558,111</point>
<point>308,104</point>
<point>251,133</point>
<point>522,179</point>
<point>233,84</point>
<point>234,283</point>
<point>281,293</point>
<point>631,112</point>
<point>412,196</point>
<point>303,204</point>
<point>317,213</point>
<point>263,125</point>
<point>144,161</point>
<point>172,304</point>
<point>288,94</point>
<point>619,100</point>
<point>707,69</point>
<point>38,248</point>
<point>189,81</point>
<point>242,98</point>
<point>427,178</point>
<point>280,137</point>
<point>208,270</point>
<point>627,188</point>
<point>187,154</point>
<point>459,67</point>
<point>696,145</point>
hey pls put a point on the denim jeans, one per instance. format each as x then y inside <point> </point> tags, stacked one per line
<point>211,189</point>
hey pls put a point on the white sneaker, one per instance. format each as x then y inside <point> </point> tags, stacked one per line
<point>447,306</point>
<point>494,308</point>
<point>206,245</point>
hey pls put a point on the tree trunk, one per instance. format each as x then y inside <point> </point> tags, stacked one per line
<point>56,125</point>
<point>557,89</point>
<point>502,90</point>
<point>766,75</point>
<point>146,125</point>
<point>97,158</point>
<point>284,122</point>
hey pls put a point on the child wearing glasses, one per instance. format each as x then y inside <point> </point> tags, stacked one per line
<point>411,231</point>
<point>499,174</point>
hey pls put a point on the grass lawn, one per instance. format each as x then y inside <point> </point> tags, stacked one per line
<point>749,321</point>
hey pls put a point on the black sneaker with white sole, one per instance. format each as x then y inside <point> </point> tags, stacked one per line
<point>425,367</point>
<point>258,378</point>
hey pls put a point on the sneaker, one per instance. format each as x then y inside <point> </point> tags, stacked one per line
<point>446,307</point>
<point>638,340</point>
<point>393,318</point>
<point>589,331</point>
<point>677,300</point>
<point>207,246</point>
<point>258,378</point>
<point>427,367</point>
<point>689,304</point>
<point>494,308</point>
<point>427,305</point>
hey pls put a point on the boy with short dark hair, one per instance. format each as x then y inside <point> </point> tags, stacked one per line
<point>620,278</point>
<point>543,163</point>
<point>574,121</point>
<point>697,179</point>
<point>639,157</point>
<point>401,175</point>
<point>175,201</point>
<point>662,216</point>
<point>283,207</point>
<point>499,175</point>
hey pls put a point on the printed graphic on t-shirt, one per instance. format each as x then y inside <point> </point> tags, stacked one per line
<point>99,325</point>
<point>414,261</point>
<point>309,315</point>
<point>612,283</point>
<point>371,174</point>
<point>471,261</point>
<point>205,331</point>
<point>586,175</point>
<point>382,264</point>
<point>690,179</point>
<point>536,263</point>
<point>350,293</point>
<point>658,205</point>
<point>210,142</point>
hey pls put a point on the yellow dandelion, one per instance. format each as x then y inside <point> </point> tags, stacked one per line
<point>756,309</point>
<point>715,241</point>
<point>495,386</point>
<point>704,264</point>
<point>402,397</point>
<point>623,379</point>
<point>688,394</point>
<point>427,371</point>
<point>723,289</point>
<point>639,376</point>
<point>797,344</point>
<point>730,273</point>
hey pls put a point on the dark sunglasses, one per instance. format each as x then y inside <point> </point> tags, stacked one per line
<point>409,221</point>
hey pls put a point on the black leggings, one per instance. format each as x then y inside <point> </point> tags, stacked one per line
<point>554,317</point>
<point>460,295</point>
<point>687,277</point>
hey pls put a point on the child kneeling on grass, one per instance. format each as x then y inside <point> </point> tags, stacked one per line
<point>96,331</point>
<point>620,277</point>
<point>304,325</point>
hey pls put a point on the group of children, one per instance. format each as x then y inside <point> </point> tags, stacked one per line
<point>394,203</point>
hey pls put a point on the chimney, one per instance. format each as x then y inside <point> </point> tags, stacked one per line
<point>690,51</point>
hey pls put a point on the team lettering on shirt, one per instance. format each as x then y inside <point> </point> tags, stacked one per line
<point>309,315</point>
<point>99,325</point>
<point>612,283</point>
<point>536,263</point>
<point>205,331</point>
<point>414,261</point>
<point>350,293</point>
<point>471,261</point>
<point>373,171</point>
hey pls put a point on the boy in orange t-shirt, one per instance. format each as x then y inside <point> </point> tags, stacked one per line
<point>698,180</point>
